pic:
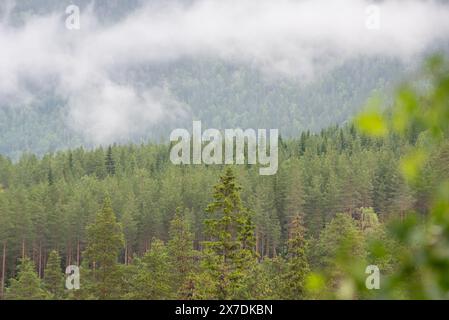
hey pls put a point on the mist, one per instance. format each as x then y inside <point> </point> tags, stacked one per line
<point>86,68</point>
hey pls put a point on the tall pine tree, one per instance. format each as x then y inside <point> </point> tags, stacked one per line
<point>53,276</point>
<point>27,285</point>
<point>229,252</point>
<point>105,240</point>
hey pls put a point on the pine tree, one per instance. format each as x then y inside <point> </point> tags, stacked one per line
<point>340,241</point>
<point>267,221</point>
<point>129,224</point>
<point>53,276</point>
<point>294,202</point>
<point>110,162</point>
<point>70,161</point>
<point>153,278</point>
<point>104,242</point>
<point>229,254</point>
<point>302,144</point>
<point>297,267</point>
<point>50,177</point>
<point>280,186</point>
<point>180,249</point>
<point>6,235</point>
<point>27,286</point>
<point>368,221</point>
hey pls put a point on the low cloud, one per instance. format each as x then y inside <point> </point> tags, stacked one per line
<point>107,112</point>
<point>297,39</point>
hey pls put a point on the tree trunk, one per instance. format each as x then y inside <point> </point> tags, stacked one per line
<point>257,242</point>
<point>2,285</point>
<point>78,253</point>
<point>267,247</point>
<point>23,248</point>
<point>126,253</point>
<point>69,254</point>
<point>40,259</point>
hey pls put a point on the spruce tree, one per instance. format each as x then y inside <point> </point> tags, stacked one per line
<point>229,252</point>
<point>110,162</point>
<point>181,252</point>
<point>153,277</point>
<point>340,241</point>
<point>50,177</point>
<point>104,242</point>
<point>53,276</point>
<point>129,224</point>
<point>27,285</point>
<point>297,267</point>
<point>6,235</point>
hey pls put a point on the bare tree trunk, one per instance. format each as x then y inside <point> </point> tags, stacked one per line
<point>23,248</point>
<point>78,253</point>
<point>257,242</point>
<point>2,285</point>
<point>267,247</point>
<point>40,259</point>
<point>69,254</point>
<point>126,253</point>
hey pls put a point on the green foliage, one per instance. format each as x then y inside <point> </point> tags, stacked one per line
<point>341,200</point>
<point>27,285</point>
<point>371,120</point>
<point>181,254</point>
<point>109,162</point>
<point>105,240</point>
<point>229,254</point>
<point>153,277</point>
<point>54,278</point>
<point>421,272</point>
<point>297,267</point>
<point>340,241</point>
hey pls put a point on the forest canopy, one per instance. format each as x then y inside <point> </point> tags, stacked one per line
<point>372,192</point>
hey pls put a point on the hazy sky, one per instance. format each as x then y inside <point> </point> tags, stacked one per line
<point>288,38</point>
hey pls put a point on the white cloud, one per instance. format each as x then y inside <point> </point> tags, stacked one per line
<point>108,112</point>
<point>284,37</point>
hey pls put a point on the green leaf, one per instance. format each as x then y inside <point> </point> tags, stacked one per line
<point>371,121</point>
<point>412,164</point>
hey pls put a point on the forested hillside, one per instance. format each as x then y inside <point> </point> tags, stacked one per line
<point>224,96</point>
<point>49,204</point>
<point>143,228</point>
<point>359,205</point>
<point>221,93</point>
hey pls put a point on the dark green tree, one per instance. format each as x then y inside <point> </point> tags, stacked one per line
<point>53,276</point>
<point>180,251</point>
<point>104,243</point>
<point>229,252</point>
<point>153,276</point>
<point>297,266</point>
<point>110,162</point>
<point>27,285</point>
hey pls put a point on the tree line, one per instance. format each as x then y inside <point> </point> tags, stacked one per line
<point>370,193</point>
<point>290,222</point>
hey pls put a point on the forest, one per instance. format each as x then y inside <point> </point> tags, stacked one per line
<point>222,94</point>
<point>372,192</point>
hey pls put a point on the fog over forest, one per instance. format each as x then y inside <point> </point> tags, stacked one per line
<point>138,69</point>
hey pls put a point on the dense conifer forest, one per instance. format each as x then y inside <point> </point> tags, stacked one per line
<point>92,207</point>
<point>142,228</point>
